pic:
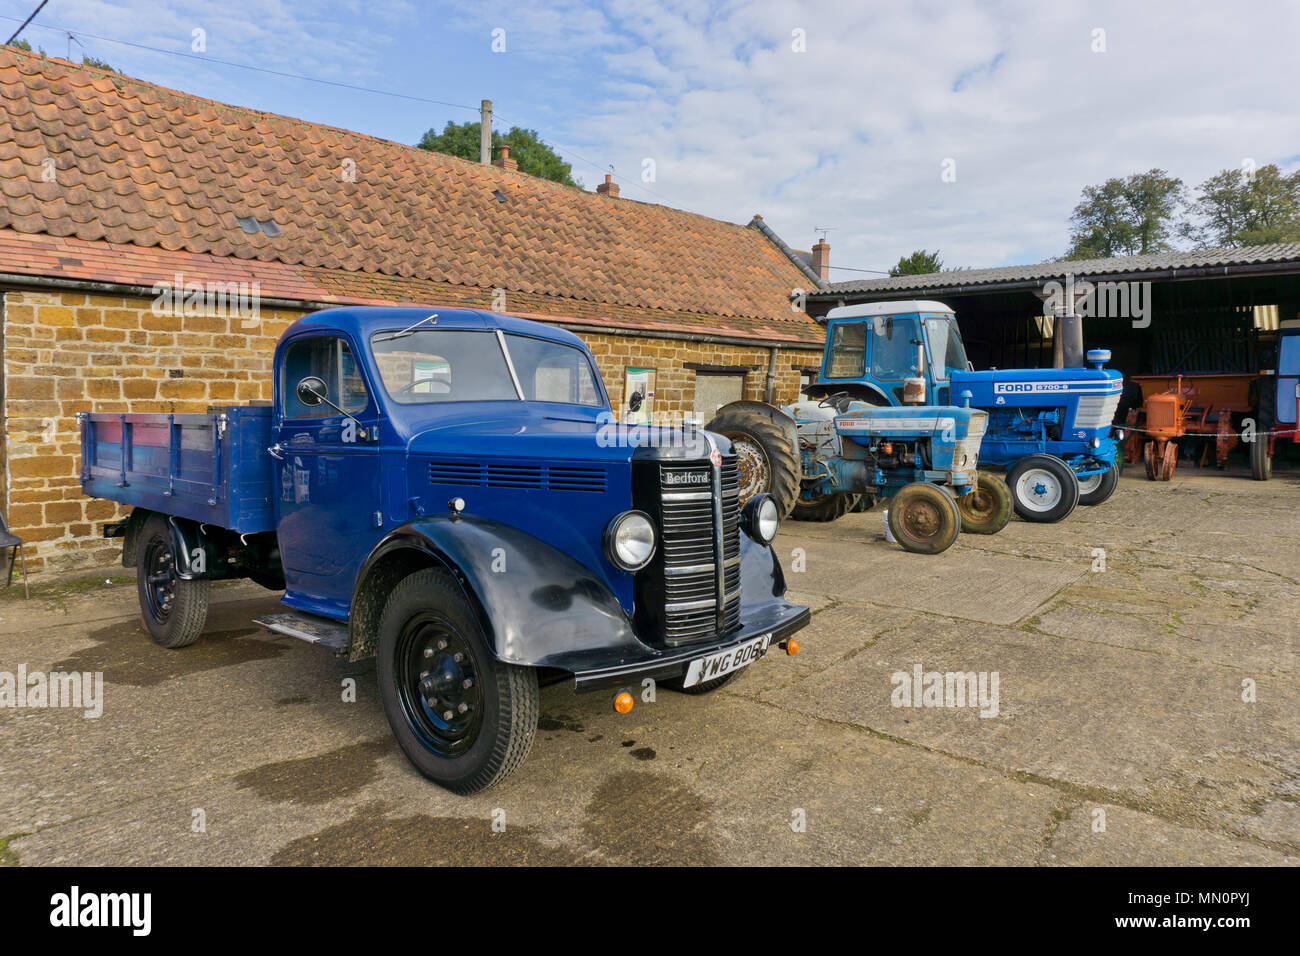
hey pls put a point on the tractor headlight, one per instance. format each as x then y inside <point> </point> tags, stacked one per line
<point>630,541</point>
<point>760,519</point>
<point>1096,443</point>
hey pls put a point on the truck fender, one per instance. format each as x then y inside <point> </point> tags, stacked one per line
<point>535,602</point>
<point>197,555</point>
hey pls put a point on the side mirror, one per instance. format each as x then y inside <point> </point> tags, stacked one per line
<point>311,391</point>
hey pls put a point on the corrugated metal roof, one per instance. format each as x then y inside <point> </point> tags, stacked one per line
<point>1284,252</point>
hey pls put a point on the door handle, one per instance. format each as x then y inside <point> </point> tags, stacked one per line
<point>276,451</point>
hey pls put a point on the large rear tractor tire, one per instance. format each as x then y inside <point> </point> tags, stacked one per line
<point>825,508</point>
<point>987,509</point>
<point>1043,488</point>
<point>923,518</point>
<point>173,610</point>
<point>767,447</point>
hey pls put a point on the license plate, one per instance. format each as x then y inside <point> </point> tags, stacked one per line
<point>724,662</point>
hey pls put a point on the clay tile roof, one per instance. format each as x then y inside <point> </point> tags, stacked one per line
<point>143,166</point>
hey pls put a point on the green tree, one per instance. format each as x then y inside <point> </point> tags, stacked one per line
<point>1126,216</point>
<point>919,263</point>
<point>526,148</point>
<point>1238,209</point>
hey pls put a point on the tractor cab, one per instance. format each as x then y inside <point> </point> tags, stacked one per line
<point>891,353</point>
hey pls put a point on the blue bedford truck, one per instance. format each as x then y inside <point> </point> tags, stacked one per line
<point>448,491</point>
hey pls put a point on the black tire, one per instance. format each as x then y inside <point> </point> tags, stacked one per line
<point>923,518</point>
<point>675,683</point>
<point>825,508</point>
<point>1061,488</point>
<point>864,503</point>
<point>987,509</point>
<point>767,445</point>
<point>430,644</point>
<point>1261,462</point>
<point>1095,492</point>
<point>173,611</point>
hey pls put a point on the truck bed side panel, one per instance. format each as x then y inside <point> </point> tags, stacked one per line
<point>211,468</point>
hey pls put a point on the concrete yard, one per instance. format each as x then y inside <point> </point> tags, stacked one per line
<point>1121,734</point>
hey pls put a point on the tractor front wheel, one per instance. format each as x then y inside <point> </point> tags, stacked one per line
<point>1095,489</point>
<point>923,518</point>
<point>987,509</point>
<point>1043,488</point>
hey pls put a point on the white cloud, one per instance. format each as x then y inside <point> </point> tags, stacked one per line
<point>851,134</point>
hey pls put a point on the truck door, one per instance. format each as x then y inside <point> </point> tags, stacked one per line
<point>329,498</point>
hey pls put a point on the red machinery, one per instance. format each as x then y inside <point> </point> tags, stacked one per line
<point>1177,406</point>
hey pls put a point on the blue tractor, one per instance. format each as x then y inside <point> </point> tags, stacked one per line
<point>1051,429</point>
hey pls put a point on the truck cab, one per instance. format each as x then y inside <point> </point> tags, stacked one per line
<point>448,490</point>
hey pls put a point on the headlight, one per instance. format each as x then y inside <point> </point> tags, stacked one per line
<point>760,519</point>
<point>1096,443</point>
<point>630,541</point>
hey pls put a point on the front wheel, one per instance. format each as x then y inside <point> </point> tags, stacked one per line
<point>1095,489</point>
<point>1043,488</point>
<point>173,610</point>
<point>462,717</point>
<point>923,518</point>
<point>987,509</point>
<point>1261,462</point>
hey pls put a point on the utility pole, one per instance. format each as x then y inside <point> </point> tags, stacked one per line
<point>485,134</point>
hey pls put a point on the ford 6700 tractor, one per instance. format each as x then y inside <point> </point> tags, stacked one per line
<point>1049,428</point>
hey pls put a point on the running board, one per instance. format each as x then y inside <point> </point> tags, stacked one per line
<point>307,627</point>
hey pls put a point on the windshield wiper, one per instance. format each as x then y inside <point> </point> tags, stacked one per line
<point>431,319</point>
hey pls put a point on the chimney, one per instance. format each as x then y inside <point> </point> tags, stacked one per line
<point>608,187</point>
<point>504,160</point>
<point>821,259</point>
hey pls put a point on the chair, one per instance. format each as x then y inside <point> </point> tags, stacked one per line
<point>15,546</point>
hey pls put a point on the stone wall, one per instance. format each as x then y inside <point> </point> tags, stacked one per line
<point>68,352</point>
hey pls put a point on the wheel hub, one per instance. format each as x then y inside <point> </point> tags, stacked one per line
<point>751,462</point>
<point>1039,490</point>
<point>439,686</point>
<point>921,519</point>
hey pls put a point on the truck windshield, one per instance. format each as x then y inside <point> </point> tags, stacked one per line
<point>946,349</point>
<point>451,365</point>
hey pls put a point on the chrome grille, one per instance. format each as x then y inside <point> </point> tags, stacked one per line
<point>1096,411</point>
<point>692,542</point>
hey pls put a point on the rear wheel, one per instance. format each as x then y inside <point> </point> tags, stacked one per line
<point>824,507</point>
<point>767,452</point>
<point>173,610</point>
<point>923,518</point>
<point>462,717</point>
<point>987,509</point>
<point>1043,488</point>
<point>1095,489</point>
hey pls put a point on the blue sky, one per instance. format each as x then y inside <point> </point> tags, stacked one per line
<point>817,115</point>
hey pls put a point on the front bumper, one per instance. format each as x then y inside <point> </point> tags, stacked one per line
<point>779,618</point>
